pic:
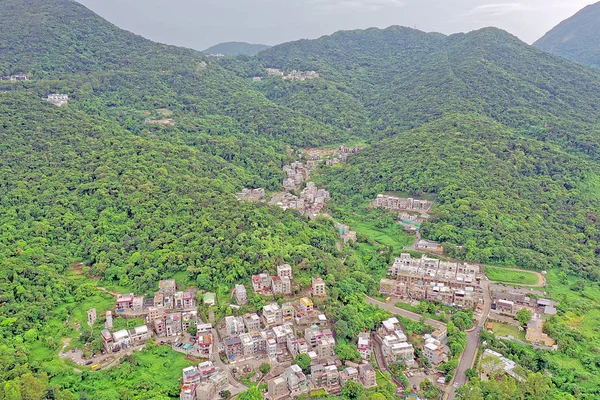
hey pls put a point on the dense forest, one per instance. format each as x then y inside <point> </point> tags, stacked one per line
<point>135,179</point>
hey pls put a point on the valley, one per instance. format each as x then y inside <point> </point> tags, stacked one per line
<point>374,214</point>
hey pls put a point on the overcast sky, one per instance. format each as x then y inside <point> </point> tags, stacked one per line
<point>202,23</point>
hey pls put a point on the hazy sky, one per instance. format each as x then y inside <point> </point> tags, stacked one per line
<point>201,23</point>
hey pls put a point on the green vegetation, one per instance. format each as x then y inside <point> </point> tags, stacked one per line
<point>575,38</point>
<point>505,275</point>
<point>523,316</point>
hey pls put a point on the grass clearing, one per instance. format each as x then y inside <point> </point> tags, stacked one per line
<point>520,277</point>
<point>508,330</point>
<point>392,236</point>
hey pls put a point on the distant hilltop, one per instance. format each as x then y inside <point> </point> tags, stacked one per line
<point>235,48</point>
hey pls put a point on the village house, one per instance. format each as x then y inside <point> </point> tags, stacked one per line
<point>233,347</point>
<point>364,345</point>
<point>398,203</point>
<point>326,377</point>
<point>58,100</point>
<point>261,283</point>
<point>367,375</point>
<point>241,295</point>
<point>493,363</point>
<point>349,374</point>
<point>189,318</point>
<point>252,322</point>
<point>306,305</point>
<point>209,299</point>
<point>285,270</point>
<point>278,388</point>
<point>234,325</point>
<point>287,311</point>
<point>251,195</point>
<point>272,315</point>
<point>434,350</point>
<point>124,339</point>
<point>212,386</point>
<point>318,287</point>
<point>535,333</point>
<point>429,246</point>
<point>204,344</point>
<point>297,382</point>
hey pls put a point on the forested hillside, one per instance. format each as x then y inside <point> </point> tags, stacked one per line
<point>576,38</point>
<point>506,199</point>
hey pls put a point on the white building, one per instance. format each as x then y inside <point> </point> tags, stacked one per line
<point>58,99</point>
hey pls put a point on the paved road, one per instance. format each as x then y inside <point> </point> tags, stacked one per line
<point>468,357</point>
<point>235,386</point>
<point>407,314</point>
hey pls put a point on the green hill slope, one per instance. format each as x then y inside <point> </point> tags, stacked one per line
<point>505,198</point>
<point>576,38</point>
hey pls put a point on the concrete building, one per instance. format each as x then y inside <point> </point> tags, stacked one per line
<point>434,350</point>
<point>297,382</point>
<point>318,287</point>
<point>285,270</point>
<point>367,374</point>
<point>272,314</point>
<point>91,317</point>
<point>241,295</point>
<point>278,388</point>
<point>234,325</point>
<point>58,100</point>
<point>364,345</point>
<point>252,322</point>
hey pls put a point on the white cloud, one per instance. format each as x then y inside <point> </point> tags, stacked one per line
<point>332,5</point>
<point>498,9</point>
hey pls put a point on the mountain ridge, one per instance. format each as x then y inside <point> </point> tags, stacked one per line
<point>235,48</point>
<point>576,38</point>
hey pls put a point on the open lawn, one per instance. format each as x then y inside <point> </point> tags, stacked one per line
<point>519,277</point>
<point>392,236</point>
<point>508,330</point>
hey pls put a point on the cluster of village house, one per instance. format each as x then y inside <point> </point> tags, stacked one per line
<point>395,347</point>
<point>16,77</point>
<point>169,313</point>
<point>413,212</point>
<point>508,301</point>
<point>203,381</point>
<point>342,155</point>
<point>293,75</point>
<point>311,199</point>
<point>425,278</point>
